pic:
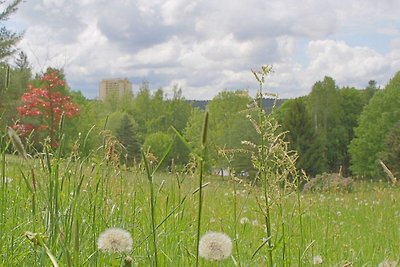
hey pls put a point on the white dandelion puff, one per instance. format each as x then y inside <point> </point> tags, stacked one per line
<point>254,223</point>
<point>317,260</point>
<point>115,240</point>
<point>215,246</point>
<point>387,263</point>
<point>244,220</point>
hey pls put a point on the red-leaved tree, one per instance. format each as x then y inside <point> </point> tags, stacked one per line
<point>44,104</point>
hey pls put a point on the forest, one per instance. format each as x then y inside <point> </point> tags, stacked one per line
<point>333,130</point>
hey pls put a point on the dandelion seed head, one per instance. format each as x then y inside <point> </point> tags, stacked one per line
<point>8,180</point>
<point>317,260</point>
<point>387,263</point>
<point>244,220</point>
<point>115,240</point>
<point>215,246</point>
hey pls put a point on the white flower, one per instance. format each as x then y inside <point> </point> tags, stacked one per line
<point>215,246</point>
<point>244,220</point>
<point>387,263</point>
<point>317,260</point>
<point>115,240</point>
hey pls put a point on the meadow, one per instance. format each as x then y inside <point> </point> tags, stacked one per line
<point>68,202</point>
<point>82,209</point>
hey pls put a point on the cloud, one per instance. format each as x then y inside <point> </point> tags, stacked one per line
<point>207,46</point>
<point>353,66</point>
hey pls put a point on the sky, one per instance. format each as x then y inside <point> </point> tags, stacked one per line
<point>206,46</point>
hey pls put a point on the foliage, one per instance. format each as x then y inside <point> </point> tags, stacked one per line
<point>391,151</point>
<point>296,120</point>
<point>157,144</point>
<point>228,127</point>
<point>326,113</point>
<point>13,83</point>
<point>126,135</point>
<point>8,39</point>
<point>44,106</point>
<point>352,104</point>
<point>375,122</point>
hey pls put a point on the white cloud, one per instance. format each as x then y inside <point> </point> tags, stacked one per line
<point>206,46</point>
<point>348,65</point>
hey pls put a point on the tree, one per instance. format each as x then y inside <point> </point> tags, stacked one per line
<point>157,144</point>
<point>22,62</point>
<point>126,136</point>
<point>8,39</point>
<point>228,127</point>
<point>370,90</point>
<point>352,104</point>
<point>301,135</point>
<point>44,104</point>
<point>326,113</point>
<point>375,122</point>
<point>391,150</point>
<point>10,95</point>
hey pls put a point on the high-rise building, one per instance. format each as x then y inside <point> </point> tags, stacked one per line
<point>117,87</point>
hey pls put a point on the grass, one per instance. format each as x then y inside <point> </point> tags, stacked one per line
<point>359,227</point>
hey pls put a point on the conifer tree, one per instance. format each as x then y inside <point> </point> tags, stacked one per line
<point>126,136</point>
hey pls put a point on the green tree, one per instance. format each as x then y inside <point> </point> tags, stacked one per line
<point>370,90</point>
<point>17,81</point>
<point>375,122</point>
<point>83,133</point>
<point>157,144</point>
<point>228,127</point>
<point>391,151</point>
<point>22,62</point>
<point>8,38</point>
<point>126,135</point>
<point>143,110</point>
<point>192,131</point>
<point>352,104</point>
<point>296,120</point>
<point>326,114</point>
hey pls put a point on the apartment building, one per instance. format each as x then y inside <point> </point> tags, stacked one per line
<point>117,87</point>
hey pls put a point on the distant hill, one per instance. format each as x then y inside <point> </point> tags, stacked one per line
<point>268,103</point>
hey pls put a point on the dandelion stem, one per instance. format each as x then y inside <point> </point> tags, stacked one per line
<point>152,207</point>
<point>201,166</point>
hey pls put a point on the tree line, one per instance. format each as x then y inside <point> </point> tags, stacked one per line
<point>333,129</point>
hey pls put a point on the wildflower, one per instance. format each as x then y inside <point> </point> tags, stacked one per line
<point>115,240</point>
<point>8,180</point>
<point>244,220</point>
<point>254,223</point>
<point>215,246</point>
<point>317,260</point>
<point>387,263</point>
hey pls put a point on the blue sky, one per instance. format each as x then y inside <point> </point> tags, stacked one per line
<point>207,46</point>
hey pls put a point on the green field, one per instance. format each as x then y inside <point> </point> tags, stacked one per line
<point>71,201</point>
